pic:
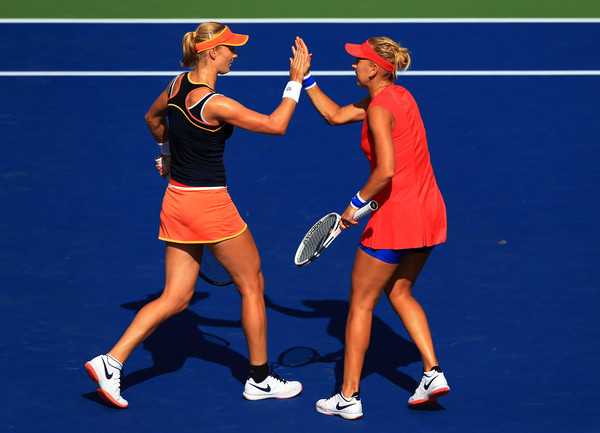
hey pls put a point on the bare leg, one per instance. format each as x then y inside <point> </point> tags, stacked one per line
<point>182,263</point>
<point>369,278</point>
<point>408,309</point>
<point>240,258</point>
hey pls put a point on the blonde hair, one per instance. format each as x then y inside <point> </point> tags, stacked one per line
<point>203,32</point>
<point>392,52</point>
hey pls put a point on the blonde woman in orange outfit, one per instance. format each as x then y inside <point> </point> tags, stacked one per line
<point>191,122</point>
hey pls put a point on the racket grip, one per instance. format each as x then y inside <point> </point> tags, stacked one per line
<point>366,209</point>
<point>161,160</point>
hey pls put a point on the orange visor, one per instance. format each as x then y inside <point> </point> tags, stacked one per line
<point>224,37</point>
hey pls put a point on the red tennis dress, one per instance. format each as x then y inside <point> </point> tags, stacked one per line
<point>411,211</point>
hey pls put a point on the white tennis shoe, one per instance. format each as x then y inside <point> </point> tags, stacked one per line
<point>106,372</point>
<point>339,405</point>
<point>433,385</point>
<point>272,387</point>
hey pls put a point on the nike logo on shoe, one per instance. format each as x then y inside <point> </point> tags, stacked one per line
<point>427,385</point>
<point>108,376</point>
<point>338,407</point>
<point>267,389</point>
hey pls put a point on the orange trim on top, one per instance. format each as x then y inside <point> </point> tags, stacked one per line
<point>189,108</point>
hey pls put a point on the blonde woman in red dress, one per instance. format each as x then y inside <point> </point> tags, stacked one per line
<point>410,220</point>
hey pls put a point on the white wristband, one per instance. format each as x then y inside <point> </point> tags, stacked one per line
<point>292,90</point>
<point>164,148</point>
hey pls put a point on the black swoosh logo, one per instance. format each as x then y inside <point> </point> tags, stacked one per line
<point>427,385</point>
<point>108,376</point>
<point>338,407</point>
<point>267,389</point>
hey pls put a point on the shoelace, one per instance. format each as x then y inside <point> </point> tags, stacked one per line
<point>334,393</point>
<point>274,375</point>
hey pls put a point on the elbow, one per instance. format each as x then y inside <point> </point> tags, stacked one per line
<point>385,175</point>
<point>330,120</point>
<point>334,118</point>
<point>278,128</point>
<point>148,119</point>
<point>280,131</point>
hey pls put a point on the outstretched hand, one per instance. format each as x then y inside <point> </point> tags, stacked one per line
<point>300,63</point>
<point>302,47</point>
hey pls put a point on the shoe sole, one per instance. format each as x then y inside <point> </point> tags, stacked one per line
<point>433,397</point>
<point>439,392</point>
<point>342,415</point>
<point>256,397</point>
<point>89,368</point>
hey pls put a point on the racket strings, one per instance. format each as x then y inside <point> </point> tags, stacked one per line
<point>212,271</point>
<point>317,236</point>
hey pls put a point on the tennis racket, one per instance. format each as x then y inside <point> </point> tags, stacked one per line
<point>323,233</point>
<point>211,270</point>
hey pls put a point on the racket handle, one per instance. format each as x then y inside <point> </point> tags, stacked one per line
<point>161,160</point>
<point>366,209</point>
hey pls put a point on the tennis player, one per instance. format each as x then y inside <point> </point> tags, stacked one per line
<point>191,122</point>
<point>400,235</point>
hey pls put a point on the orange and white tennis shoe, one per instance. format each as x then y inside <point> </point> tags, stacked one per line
<point>433,385</point>
<point>106,372</point>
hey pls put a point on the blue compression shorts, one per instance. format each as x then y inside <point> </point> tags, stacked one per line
<point>392,256</point>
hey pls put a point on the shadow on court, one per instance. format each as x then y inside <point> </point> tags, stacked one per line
<point>387,352</point>
<point>180,338</point>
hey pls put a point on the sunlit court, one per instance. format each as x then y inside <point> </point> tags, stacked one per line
<point>511,112</point>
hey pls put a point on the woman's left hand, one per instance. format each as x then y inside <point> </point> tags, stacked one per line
<point>163,165</point>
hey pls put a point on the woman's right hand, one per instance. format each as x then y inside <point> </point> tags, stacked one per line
<point>300,64</point>
<point>302,47</point>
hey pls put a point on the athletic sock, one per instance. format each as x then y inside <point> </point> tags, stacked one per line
<point>258,373</point>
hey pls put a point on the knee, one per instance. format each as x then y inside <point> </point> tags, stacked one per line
<point>363,301</point>
<point>181,306</point>
<point>362,305</point>
<point>252,287</point>
<point>400,292</point>
<point>174,304</point>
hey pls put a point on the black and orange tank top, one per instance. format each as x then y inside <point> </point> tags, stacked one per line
<point>197,147</point>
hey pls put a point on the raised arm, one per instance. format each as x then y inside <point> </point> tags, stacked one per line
<point>328,109</point>
<point>221,108</point>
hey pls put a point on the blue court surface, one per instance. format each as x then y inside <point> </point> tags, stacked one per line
<point>512,297</point>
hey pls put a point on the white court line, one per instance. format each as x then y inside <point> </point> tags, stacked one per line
<point>286,73</point>
<point>293,20</point>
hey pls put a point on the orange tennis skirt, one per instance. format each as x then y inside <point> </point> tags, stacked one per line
<point>198,215</point>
